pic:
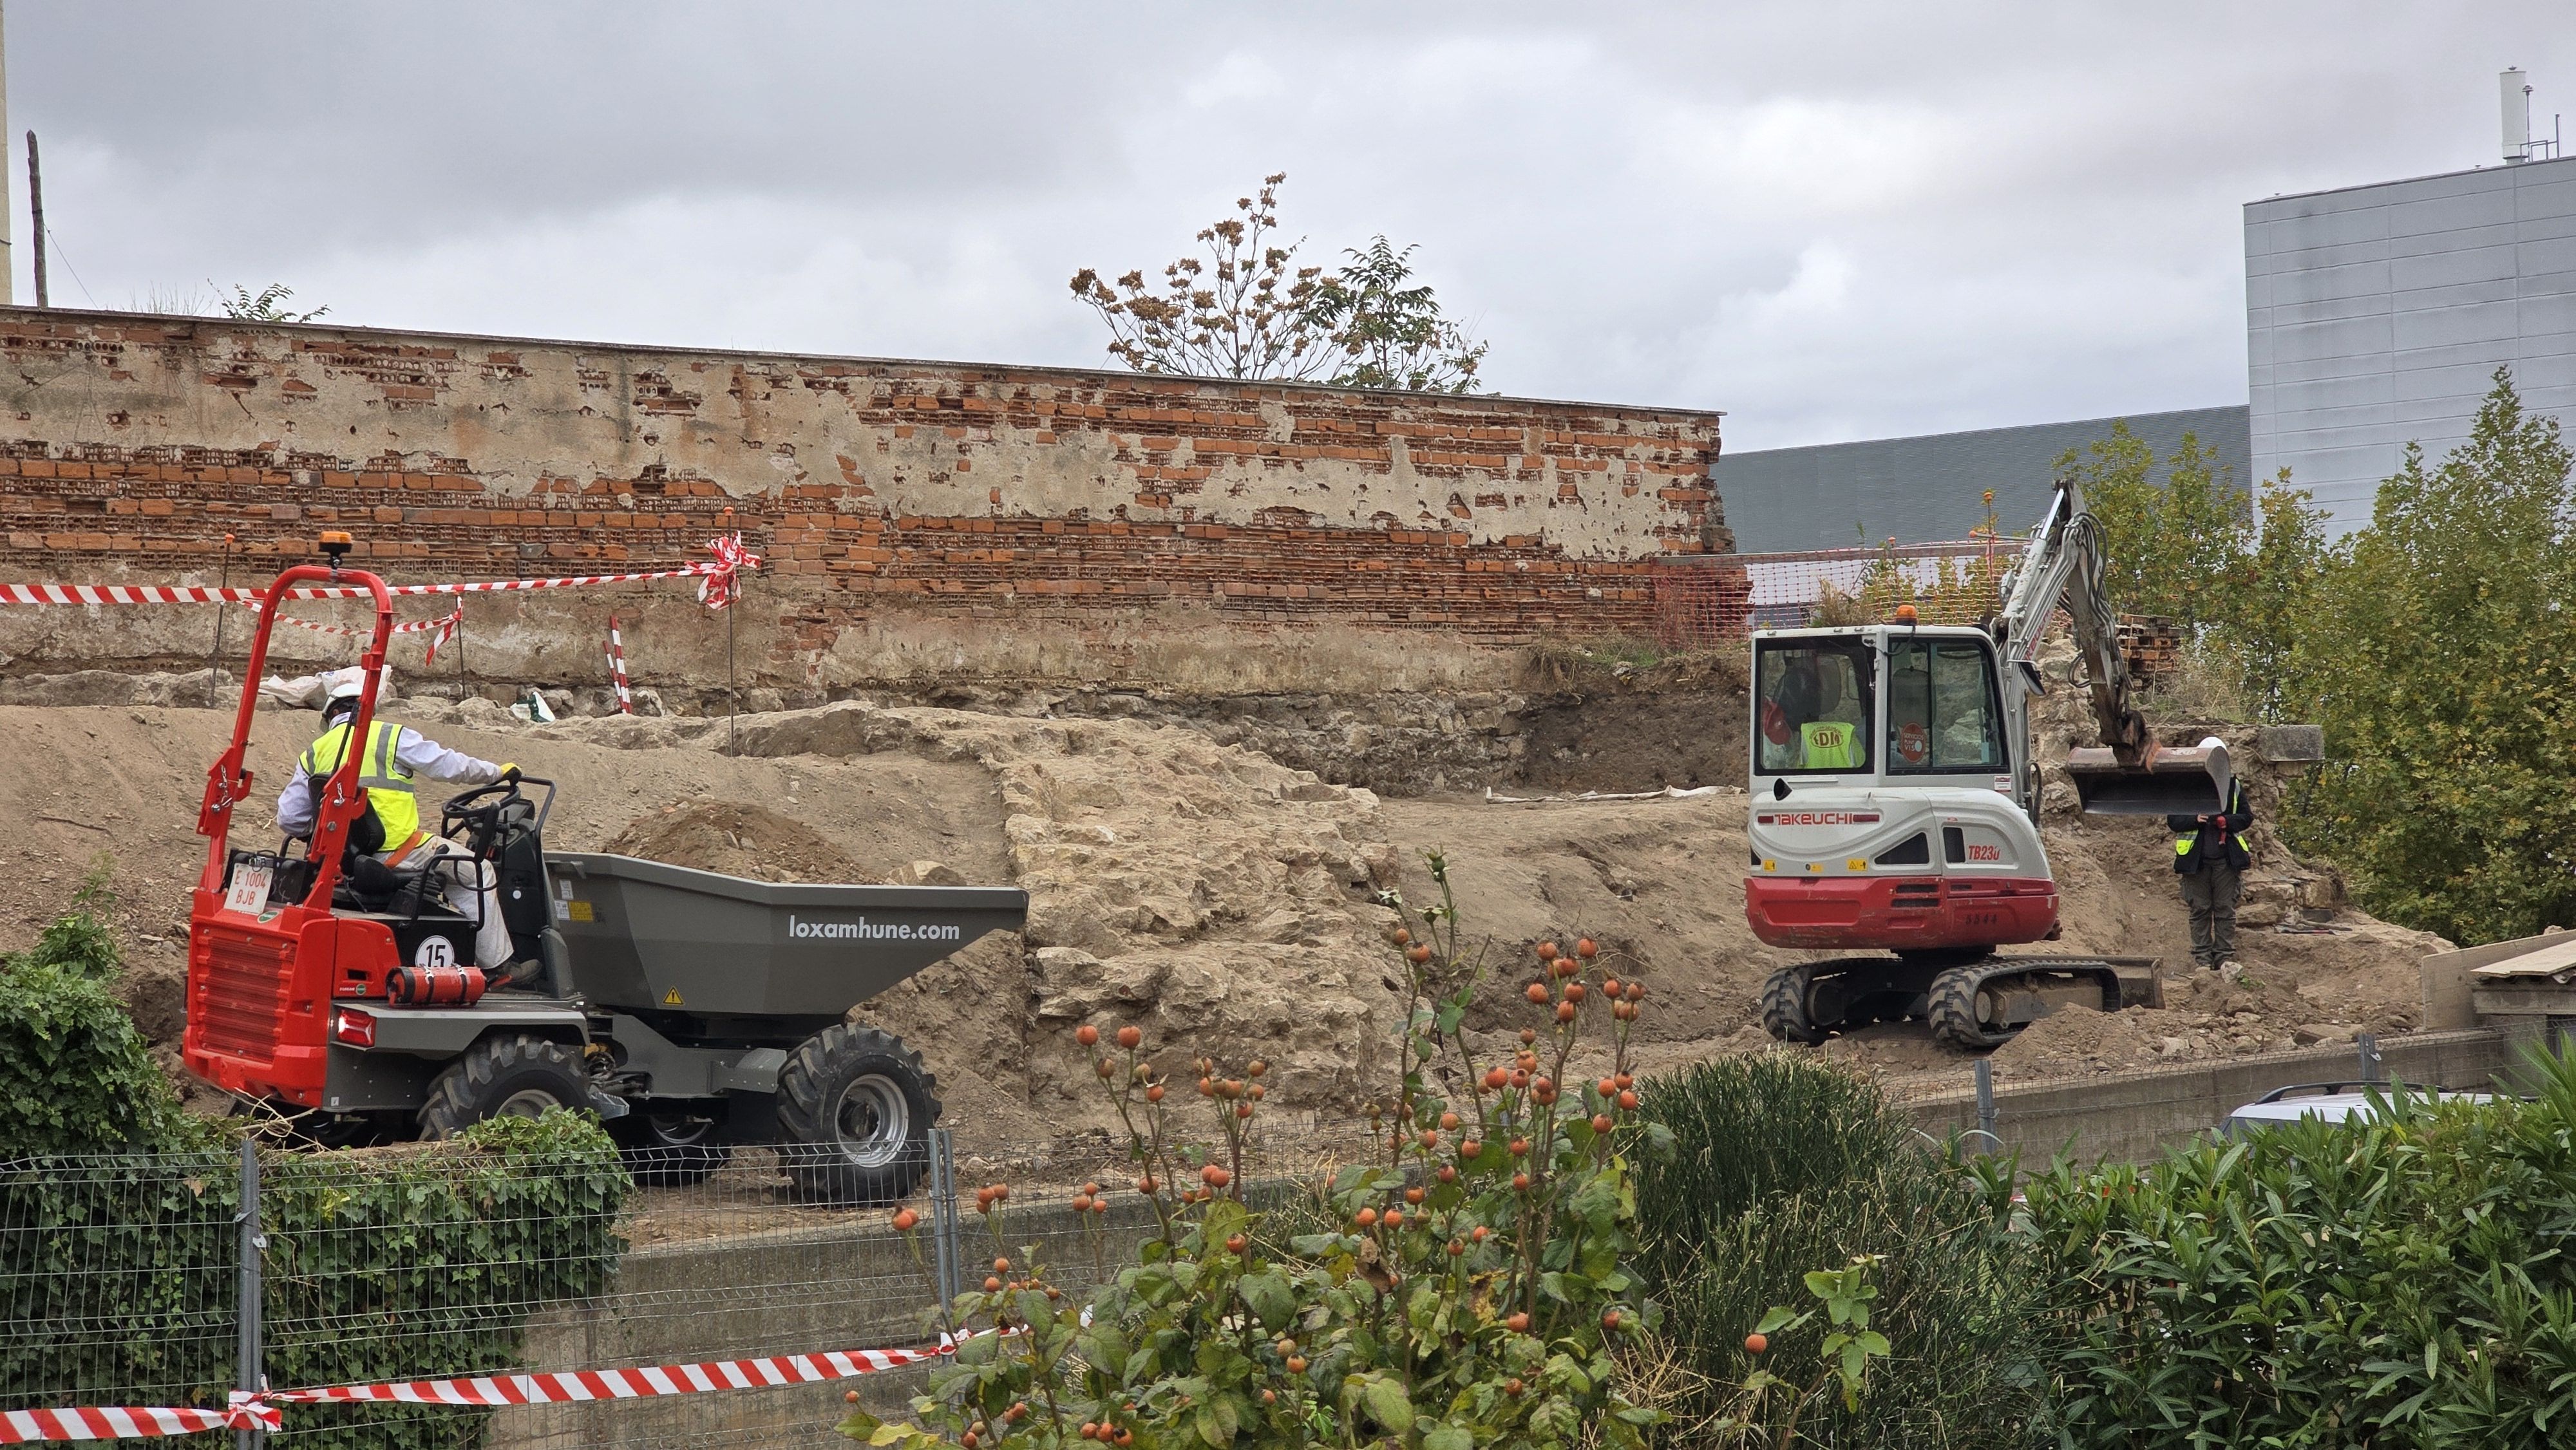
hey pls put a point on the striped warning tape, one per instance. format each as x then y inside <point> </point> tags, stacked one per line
<point>189,594</point>
<point>248,1411</point>
<point>617,668</point>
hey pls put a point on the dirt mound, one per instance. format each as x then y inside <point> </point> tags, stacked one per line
<point>737,840</point>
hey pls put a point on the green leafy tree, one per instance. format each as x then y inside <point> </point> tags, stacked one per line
<point>268,304</point>
<point>1392,335</point>
<point>2177,549</point>
<point>2443,666</point>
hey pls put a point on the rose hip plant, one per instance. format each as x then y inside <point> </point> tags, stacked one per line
<point>1470,1284</point>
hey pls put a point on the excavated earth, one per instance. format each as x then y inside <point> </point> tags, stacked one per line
<point>1186,882</point>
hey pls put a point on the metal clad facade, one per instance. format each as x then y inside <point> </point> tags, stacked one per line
<point>1836,495</point>
<point>2377,315</point>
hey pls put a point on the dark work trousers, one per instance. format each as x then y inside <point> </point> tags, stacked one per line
<point>2211,894</point>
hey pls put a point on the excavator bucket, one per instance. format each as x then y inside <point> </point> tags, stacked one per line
<point>2175,780</point>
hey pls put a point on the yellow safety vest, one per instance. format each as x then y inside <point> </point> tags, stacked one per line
<point>1831,745</point>
<point>389,792</point>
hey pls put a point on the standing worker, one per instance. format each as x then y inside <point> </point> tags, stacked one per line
<point>2211,858</point>
<point>394,756</point>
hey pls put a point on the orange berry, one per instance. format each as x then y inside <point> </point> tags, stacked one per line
<point>1130,1037</point>
<point>1537,993</point>
<point>1413,1196</point>
<point>1521,1182</point>
<point>1520,1147</point>
<point>1574,991</point>
<point>1090,1431</point>
<point>1430,1138</point>
<point>1449,1121</point>
<point>1566,966</point>
<point>1256,1068</point>
<point>905,1220</point>
<point>1001,1192</point>
<point>1517,1324</point>
<point>1585,949</point>
<point>1145,1184</point>
<point>1092,1189</point>
<point>1495,1078</point>
<point>1513,1388</point>
<point>1001,1266</point>
<point>1636,991</point>
<point>1296,1364</point>
<point>1520,1077</point>
<point>1543,1089</point>
<point>1624,1080</point>
<point>1235,1244</point>
<point>1087,1035</point>
<point>1756,1343</point>
<point>1108,1069</point>
<point>1528,1036</point>
<point>1627,1100</point>
<point>849,1397</point>
<point>1154,1094</point>
<point>1601,1122</point>
<point>970,1440</point>
<point>1607,1086</point>
<point>1418,954</point>
<point>1471,1149</point>
<point>1269,1397</point>
<point>1395,1218</point>
<point>992,1285</point>
<point>1478,1233</point>
<point>1448,1172</point>
<point>1610,985</point>
<point>1610,1321</point>
<point>1457,1247</point>
<point>1365,1218</point>
<point>1215,1177</point>
<point>1564,1011</point>
<point>1402,936</point>
<point>1243,1110</point>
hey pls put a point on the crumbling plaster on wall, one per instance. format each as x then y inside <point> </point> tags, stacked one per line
<point>940,440</point>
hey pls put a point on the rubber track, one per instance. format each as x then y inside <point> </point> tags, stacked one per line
<point>450,1109</point>
<point>1784,1005</point>
<point>1953,997</point>
<point>800,1098</point>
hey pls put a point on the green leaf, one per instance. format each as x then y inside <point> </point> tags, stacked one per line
<point>1215,1422</point>
<point>1270,1297</point>
<point>1449,1435</point>
<point>1388,1404</point>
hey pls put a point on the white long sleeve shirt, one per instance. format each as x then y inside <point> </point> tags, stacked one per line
<point>418,753</point>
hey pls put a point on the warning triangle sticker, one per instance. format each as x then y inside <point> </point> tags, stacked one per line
<point>671,998</point>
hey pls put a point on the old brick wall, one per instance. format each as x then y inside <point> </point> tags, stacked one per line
<point>131,445</point>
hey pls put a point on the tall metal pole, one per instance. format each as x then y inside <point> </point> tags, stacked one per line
<point>944,1226</point>
<point>252,1243</point>
<point>36,215</point>
<point>215,657</point>
<point>1986,1103</point>
<point>8,271</point>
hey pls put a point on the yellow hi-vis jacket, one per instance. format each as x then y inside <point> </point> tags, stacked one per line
<point>389,791</point>
<point>1831,745</point>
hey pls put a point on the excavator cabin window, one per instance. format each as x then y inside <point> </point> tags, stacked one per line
<point>1941,708</point>
<point>1813,707</point>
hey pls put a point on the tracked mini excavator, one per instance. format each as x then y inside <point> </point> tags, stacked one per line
<point>1895,806</point>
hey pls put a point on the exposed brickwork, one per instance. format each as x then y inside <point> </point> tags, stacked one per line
<point>132,445</point>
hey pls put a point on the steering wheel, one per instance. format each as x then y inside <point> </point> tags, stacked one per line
<point>482,823</point>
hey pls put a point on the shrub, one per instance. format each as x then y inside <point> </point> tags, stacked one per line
<point>2403,1282</point>
<point>392,1263</point>
<point>1471,1288</point>
<point>1787,1169</point>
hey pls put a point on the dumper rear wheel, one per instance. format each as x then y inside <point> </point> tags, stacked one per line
<point>501,1077</point>
<point>855,1108</point>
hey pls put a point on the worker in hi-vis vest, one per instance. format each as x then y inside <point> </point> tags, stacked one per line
<point>1829,742</point>
<point>395,756</point>
<point>2210,857</point>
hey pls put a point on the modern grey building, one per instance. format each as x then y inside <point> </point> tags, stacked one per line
<point>2377,315</point>
<point>1914,490</point>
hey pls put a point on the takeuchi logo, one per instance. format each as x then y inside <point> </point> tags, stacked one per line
<point>866,930</point>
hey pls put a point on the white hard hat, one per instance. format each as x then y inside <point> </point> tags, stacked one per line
<point>348,684</point>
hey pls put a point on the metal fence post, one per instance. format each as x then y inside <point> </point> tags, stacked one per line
<point>2368,1043</point>
<point>253,1243</point>
<point>1986,1104</point>
<point>944,1227</point>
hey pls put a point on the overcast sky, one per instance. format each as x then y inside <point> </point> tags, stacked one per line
<point>1832,221</point>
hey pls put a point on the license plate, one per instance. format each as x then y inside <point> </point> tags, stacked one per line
<point>249,893</point>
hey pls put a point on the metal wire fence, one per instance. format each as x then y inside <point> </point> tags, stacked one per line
<point>123,1283</point>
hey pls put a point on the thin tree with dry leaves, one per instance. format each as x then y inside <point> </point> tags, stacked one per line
<point>1242,312</point>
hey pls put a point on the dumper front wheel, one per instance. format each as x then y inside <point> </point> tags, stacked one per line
<point>855,1109</point>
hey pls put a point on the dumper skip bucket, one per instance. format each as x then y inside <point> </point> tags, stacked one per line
<point>2183,780</point>
<point>648,937</point>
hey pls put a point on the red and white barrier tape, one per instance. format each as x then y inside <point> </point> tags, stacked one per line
<point>617,668</point>
<point>247,1411</point>
<point>723,584</point>
<point>445,624</point>
<point>183,594</point>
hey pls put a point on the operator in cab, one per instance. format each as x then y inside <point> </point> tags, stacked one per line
<point>1813,717</point>
<point>2210,857</point>
<point>395,755</point>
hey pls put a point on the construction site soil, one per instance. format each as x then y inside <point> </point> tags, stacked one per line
<point>1224,901</point>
